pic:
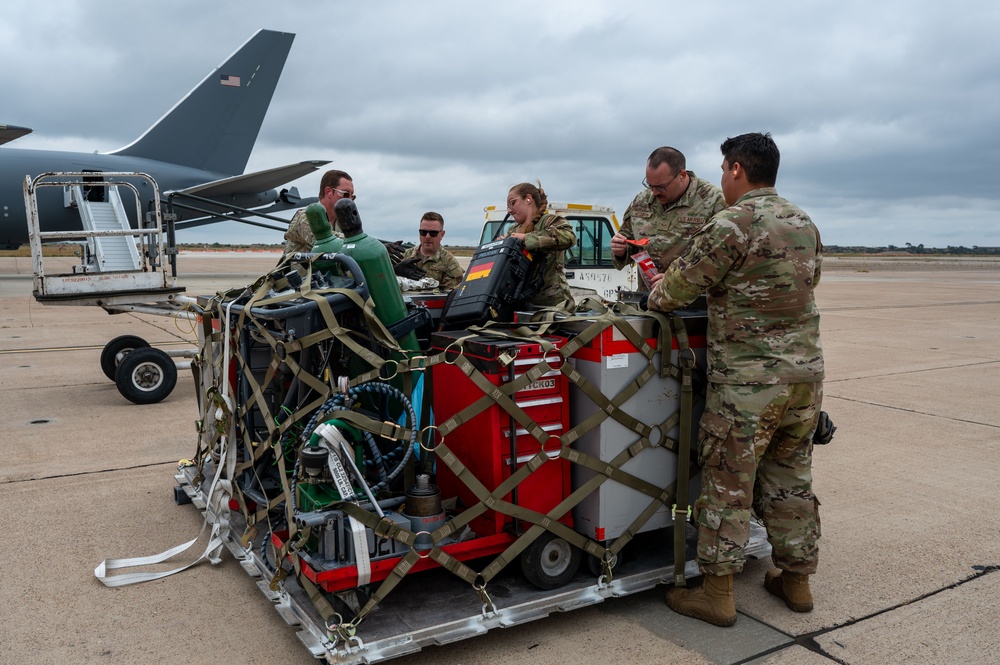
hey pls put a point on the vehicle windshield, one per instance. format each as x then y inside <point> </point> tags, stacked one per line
<point>496,229</point>
<point>593,239</point>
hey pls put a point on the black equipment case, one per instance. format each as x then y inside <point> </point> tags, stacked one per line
<point>498,279</point>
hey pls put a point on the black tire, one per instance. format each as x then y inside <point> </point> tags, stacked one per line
<point>550,562</point>
<point>146,376</point>
<point>123,345</point>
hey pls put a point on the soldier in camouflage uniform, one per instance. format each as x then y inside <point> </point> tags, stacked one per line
<point>672,208</point>
<point>436,261</point>
<point>547,234</point>
<point>759,261</point>
<point>335,185</point>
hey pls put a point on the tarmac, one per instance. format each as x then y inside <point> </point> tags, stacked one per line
<point>909,570</point>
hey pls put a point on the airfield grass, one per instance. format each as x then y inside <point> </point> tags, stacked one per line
<point>47,250</point>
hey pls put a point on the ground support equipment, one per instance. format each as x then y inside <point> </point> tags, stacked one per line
<point>380,530</point>
<point>122,269</point>
<point>436,608</point>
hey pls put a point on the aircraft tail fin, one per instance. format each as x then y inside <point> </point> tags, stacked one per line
<point>215,126</point>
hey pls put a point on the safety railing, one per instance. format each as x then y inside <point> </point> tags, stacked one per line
<point>91,285</point>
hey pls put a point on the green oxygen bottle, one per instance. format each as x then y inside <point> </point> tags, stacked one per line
<point>326,242</point>
<point>373,259</point>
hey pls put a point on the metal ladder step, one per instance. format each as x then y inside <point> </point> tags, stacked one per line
<point>112,253</point>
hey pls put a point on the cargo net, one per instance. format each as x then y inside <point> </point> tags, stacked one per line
<point>316,433</point>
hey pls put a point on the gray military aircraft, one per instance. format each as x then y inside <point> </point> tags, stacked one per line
<point>196,153</point>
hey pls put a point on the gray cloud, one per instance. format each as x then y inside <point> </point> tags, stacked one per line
<point>885,114</point>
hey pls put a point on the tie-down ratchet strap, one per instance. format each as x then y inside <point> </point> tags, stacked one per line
<point>492,500</point>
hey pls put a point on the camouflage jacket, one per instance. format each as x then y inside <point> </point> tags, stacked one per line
<point>441,265</point>
<point>669,229</point>
<point>551,236</point>
<point>299,236</point>
<point>759,261</point>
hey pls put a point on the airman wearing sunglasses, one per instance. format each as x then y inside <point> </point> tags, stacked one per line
<point>673,205</point>
<point>431,257</point>
<point>334,186</point>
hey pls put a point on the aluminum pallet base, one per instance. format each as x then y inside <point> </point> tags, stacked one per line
<point>435,607</point>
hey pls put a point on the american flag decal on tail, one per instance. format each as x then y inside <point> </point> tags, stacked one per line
<point>229,80</point>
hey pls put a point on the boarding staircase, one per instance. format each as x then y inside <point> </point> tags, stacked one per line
<point>121,267</point>
<point>106,253</point>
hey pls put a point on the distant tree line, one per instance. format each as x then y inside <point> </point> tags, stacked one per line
<point>908,248</point>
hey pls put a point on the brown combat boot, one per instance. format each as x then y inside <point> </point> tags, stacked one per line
<point>713,601</point>
<point>793,588</point>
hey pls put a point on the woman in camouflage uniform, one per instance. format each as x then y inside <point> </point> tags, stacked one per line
<point>547,234</point>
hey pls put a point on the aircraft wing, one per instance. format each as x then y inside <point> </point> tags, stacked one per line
<point>290,201</point>
<point>258,181</point>
<point>11,132</point>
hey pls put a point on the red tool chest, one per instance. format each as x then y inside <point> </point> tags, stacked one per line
<point>483,443</point>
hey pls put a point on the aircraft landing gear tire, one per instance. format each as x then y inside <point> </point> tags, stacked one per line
<point>146,376</point>
<point>116,350</point>
<point>550,562</point>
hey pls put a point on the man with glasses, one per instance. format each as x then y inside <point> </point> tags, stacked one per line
<point>429,256</point>
<point>334,186</point>
<point>672,207</point>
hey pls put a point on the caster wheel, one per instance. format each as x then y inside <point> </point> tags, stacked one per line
<point>550,562</point>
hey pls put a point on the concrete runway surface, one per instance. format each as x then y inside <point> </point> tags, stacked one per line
<point>909,571</point>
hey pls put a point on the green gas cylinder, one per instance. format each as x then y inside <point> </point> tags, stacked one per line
<point>326,242</point>
<point>373,258</point>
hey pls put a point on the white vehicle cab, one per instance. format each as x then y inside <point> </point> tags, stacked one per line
<point>588,264</point>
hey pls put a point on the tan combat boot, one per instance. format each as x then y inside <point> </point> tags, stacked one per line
<point>793,588</point>
<point>713,601</point>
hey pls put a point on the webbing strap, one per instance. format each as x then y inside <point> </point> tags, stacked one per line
<point>541,523</point>
<point>289,352</point>
<point>385,528</point>
<point>500,395</point>
<point>661,497</point>
<point>211,553</point>
<point>286,350</point>
<point>681,511</point>
<point>217,514</point>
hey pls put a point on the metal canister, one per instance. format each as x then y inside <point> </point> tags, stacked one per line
<point>423,509</point>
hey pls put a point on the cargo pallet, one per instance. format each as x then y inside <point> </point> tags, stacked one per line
<point>438,608</point>
<point>292,377</point>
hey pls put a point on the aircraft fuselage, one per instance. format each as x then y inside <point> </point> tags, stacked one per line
<point>15,164</point>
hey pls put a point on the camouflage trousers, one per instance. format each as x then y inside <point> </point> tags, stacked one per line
<point>756,454</point>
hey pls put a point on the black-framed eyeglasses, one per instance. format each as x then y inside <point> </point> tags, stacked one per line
<point>344,193</point>
<point>429,232</point>
<point>663,187</point>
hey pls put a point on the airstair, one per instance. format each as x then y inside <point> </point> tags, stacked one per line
<point>108,253</point>
<point>122,268</point>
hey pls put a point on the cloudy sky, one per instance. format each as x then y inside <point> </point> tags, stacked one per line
<point>887,114</point>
